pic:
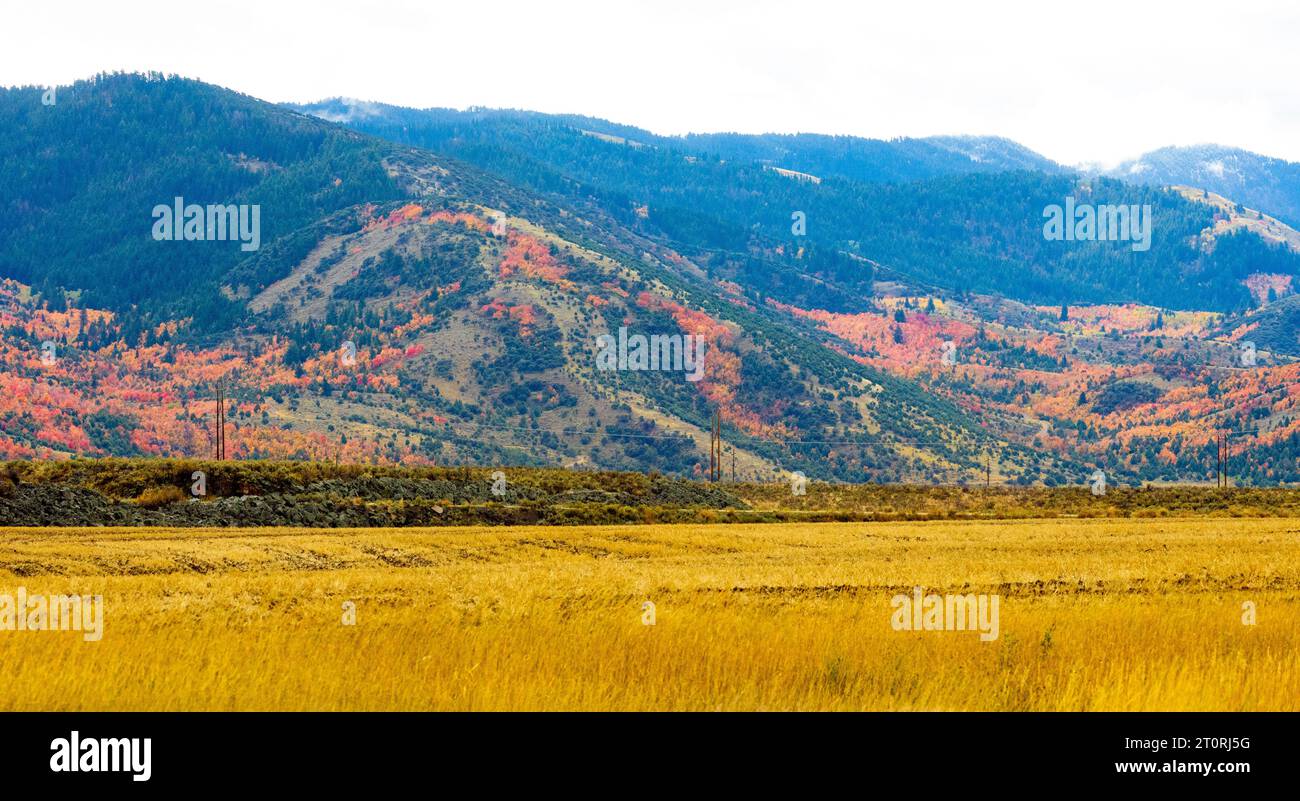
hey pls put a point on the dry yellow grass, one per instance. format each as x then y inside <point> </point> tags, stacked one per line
<point>1095,614</point>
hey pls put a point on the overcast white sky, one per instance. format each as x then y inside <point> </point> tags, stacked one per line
<point>1091,81</point>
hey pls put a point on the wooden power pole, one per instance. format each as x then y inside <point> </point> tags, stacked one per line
<point>220,439</point>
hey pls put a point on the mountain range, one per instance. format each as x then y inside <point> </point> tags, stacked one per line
<point>431,286</point>
<point>1260,182</point>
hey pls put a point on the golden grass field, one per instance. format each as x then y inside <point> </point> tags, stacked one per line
<point>1094,615</point>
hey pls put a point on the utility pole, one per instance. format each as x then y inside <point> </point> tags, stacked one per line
<point>221,422</point>
<point>733,464</point>
<point>1225,439</point>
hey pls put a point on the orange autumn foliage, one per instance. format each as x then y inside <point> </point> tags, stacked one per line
<point>530,257</point>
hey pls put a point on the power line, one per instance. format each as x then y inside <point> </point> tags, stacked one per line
<point>607,433</point>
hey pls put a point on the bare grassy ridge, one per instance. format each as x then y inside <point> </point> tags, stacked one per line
<point>1095,614</point>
